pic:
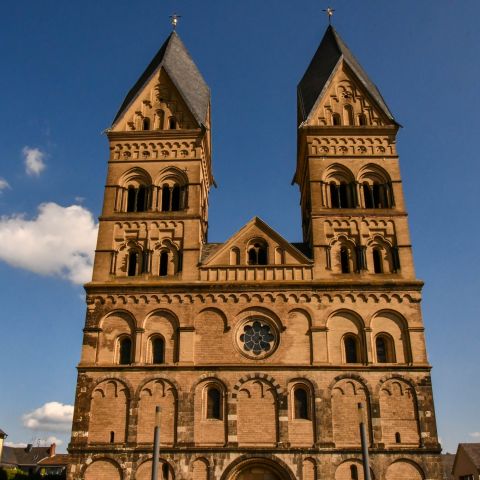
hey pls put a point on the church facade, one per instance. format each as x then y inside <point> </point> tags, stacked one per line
<point>257,350</point>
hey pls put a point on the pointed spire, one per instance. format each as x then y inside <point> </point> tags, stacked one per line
<point>174,57</point>
<point>331,52</point>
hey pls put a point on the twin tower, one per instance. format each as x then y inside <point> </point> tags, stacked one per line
<point>257,350</point>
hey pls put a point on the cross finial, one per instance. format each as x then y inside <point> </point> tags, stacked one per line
<point>329,11</point>
<point>174,20</point>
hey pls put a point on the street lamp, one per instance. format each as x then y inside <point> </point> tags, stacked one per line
<point>363,437</point>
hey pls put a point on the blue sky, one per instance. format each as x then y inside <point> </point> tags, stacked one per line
<point>66,67</point>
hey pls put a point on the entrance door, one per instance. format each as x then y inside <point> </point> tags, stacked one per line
<point>257,473</point>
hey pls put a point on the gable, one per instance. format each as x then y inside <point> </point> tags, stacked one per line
<point>158,101</point>
<point>256,232</point>
<point>346,102</point>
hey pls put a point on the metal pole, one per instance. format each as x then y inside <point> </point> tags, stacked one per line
<point>156,444</point>
<point>363,437</point>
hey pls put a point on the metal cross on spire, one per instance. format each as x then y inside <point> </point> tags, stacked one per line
<point>174,20</point>
<point>329,11</point>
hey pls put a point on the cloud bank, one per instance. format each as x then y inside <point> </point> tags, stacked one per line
<point>34,161</point>
<point>60,241</point>
<point>3,184</point>
<point>52,417</point>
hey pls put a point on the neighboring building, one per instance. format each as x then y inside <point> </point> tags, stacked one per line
<point>26,458</point>
<point>447,463</point>
<point>467,462</point>
<point>53,465</point>
<point>258,350</point>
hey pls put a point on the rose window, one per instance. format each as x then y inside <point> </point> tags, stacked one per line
<point>257,337</point>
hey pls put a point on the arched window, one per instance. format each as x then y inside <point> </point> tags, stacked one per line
<point>131,198</point>
<point>300,396</point>
<point>257,254</point>
<point>158,350</point>
<point>348,115</point>
<point>146,124</point>
<point>214,407</point>
<point>172,123</point>
<point>351,349</point>
<point>334,195</point>
<point>384,349</point>
<point>336,119</point>
<point>133,260</point>
<point>377,195</point>
<point>234,256</point>
<point>345,260</point>
<point>175,198</point>
<point>163,264</point>
<point>112,437</point>
<point>362,119</point>
<point>377,260</point>
<point>137,198</point>
<point>398,438</point>
<point>165,471</point>
<point>342,195</point>
<point>125,351</point>
<point>353,472</point>
<point>165,198</point>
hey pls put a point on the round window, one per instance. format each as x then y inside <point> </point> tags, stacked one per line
<point>257,338</point>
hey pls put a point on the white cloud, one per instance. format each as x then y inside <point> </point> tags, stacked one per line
<point>52,417</point>
<point>52,439</point>
<point>475,434</point>
<point>3,184</point>
<point>34,160</point>
<point>59,241</point>
<point>15,445</point>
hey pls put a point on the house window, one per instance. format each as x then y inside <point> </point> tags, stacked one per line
<point>336,119</point>
<point>214,409</point>
<point>112,437</point>
<point>172,123</point>
<point>300,397</point>
<point>398,439</point>
<point>342,195</point>
<point>125,351</point>
<point>351,349</point>
<point>158,350</point>
<point>165,471</point>
<point>362,119</point>
<point>146,124</point>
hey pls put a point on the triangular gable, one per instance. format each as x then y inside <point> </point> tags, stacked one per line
<point>331,53</point>
<point>256,229</point>
<point>343,91</point>
<point>177,62</point>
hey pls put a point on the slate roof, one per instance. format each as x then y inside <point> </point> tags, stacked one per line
<point>447,465</point>
<point>2,433</point>
<point>209,249</point>
<point>21,456</point>
<point>330,53</point>
<point>473,451</point>
<point>175,59</point>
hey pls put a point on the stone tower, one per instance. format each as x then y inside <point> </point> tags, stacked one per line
<point>257,350</point>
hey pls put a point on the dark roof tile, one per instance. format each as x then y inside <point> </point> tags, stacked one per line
<point>473,451</point>
<point>331,51</point>
<point>175,59</point>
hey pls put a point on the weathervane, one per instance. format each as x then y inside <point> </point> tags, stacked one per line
<point>174,20</point>
<point>329,11</point>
